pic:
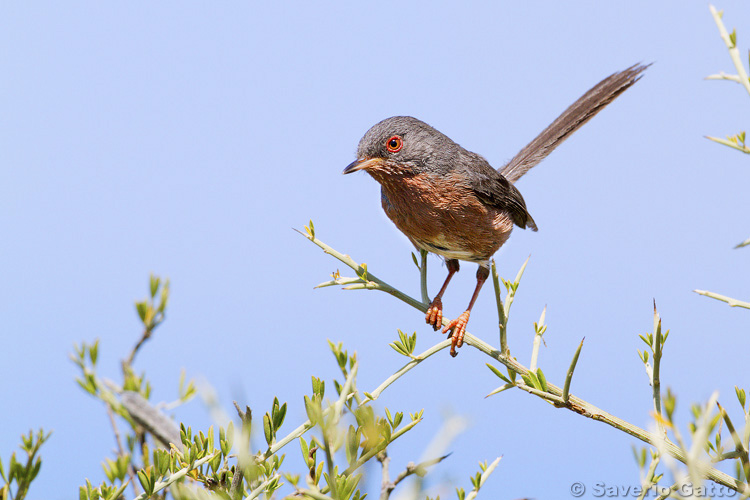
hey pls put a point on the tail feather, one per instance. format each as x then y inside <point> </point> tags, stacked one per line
<point>581,111</point>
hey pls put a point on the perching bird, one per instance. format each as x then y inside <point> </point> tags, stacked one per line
<point>450,201</point>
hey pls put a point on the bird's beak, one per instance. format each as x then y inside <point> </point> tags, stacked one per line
<point>361,164</point>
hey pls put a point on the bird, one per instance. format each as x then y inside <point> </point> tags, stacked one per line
<point>450,201</point>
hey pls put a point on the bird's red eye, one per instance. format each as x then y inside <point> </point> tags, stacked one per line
<point>394,144</point>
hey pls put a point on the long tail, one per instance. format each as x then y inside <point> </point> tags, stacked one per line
<point>570,120</point>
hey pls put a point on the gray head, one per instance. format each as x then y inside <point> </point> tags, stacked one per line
<point>404,143</point>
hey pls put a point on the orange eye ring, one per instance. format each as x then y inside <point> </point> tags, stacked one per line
<point>394,144</point>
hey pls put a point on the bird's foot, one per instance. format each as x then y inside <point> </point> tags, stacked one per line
<point>457,327</point>
<point>434,316</point>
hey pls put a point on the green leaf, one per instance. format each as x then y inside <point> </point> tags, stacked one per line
<point>145,481</point>
<point>542,380</point>
<point>94,352</point>
<point>154,285</point>
<point>312,407</point>
<point>500,389</point>
<point>230,436</point>
<point>267,430</point>
<point>530,379</point>
<point>318,387</point>
<point>497,372</point>
<point>117,493</point>
<point>352,445</point>
<point>740,396</point>
<point>397,420</point>
<point>142,308</point>
<point>35,470</point>
<point>278,418</point>
<point>305,451</point>
<point>396,346</point>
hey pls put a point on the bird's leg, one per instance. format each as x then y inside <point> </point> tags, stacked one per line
<point>434,316</point>
<point>457,327</point>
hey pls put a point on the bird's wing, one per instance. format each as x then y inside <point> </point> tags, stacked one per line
<point>581,111</point>
<point>495,190</point>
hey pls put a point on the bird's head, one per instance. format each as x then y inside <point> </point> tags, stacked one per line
<point>402,145</point>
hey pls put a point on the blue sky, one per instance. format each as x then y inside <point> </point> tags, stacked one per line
<point>188,139</point>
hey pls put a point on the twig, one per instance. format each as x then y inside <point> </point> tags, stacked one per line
<point>648,481</point>
<point>655,372</point>
<point>246,419</point>
<point>167,481</point>
<point>554,393</point>
<point>144,337</point>
<point>489,470</point>
<point>261,488</point>
<point>423,276</point>
<point>737,441</point>
<point>408,366</point>
<point>120,449</point>
<point>539,331</point>
<point>377,449</point>
<point>731,44</point>
<point>569,375</point>
<point>668,492</point>
<point>373,452</point>
<point>411,468</point>
<point>732,302</point>
<point>502,321</point>
<point>385,483</point>
<point>729,142</point>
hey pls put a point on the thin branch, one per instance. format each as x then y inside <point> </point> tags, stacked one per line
<point>144,337</point>
<point>656,349</point>
<point>262,487</point>
<point>408,366</point>
<point>120,449</point>
<point>730,143</point>
<point>411,469</point>
<point>374,452</point>
<point>730,455</point>
<point>668,491</point>
<point>386,487</point>
<point>554,393</point>
<point>423,276</point>
<point>377,449</point>
<point>539,331</point>
<point>723,76</point>
<point>731,44</point>
<point>732,302</point>
<point>316,495</point>
<point>246,420</point>
<point>737,441</point>
<point>648,481</point>
<point>167,481</point>
<point>489,470</point>
<point>502,321</point>
<point>418,468</point>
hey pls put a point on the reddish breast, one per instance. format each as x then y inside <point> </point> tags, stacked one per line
<point>441,214</point>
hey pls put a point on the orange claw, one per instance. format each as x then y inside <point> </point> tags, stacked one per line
<point>434,316</point>
<point>457,327</point>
